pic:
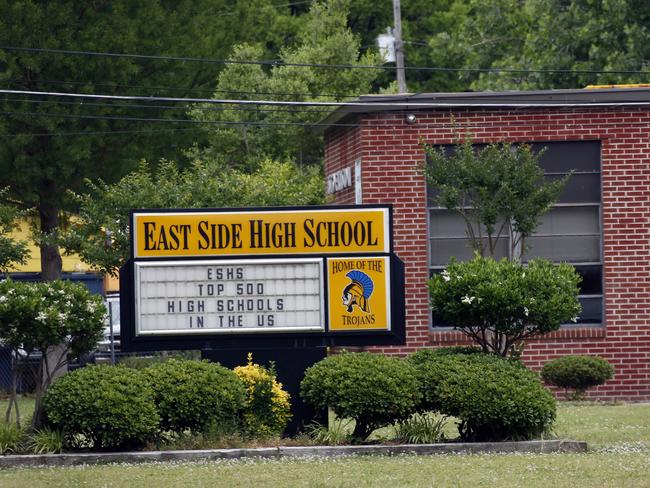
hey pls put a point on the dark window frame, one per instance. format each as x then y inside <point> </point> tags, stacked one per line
<point>585,153</point>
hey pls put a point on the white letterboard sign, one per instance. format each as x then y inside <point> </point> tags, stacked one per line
<point>232,296</point>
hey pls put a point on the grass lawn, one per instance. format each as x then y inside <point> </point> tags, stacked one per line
<point>25,407</point>
<point>604,425</point>
<point>619,438</point>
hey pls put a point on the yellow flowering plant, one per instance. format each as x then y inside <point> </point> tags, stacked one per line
<point>267,410</point>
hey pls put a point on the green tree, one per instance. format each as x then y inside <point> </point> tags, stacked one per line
<point>466,35</point>
<point>100,233</point>
<point>48,146</point>
<point>57,316</point>
<point>281,133</point>
<point>557,35</point>
<point>11,251</point>
<point>499,190</point>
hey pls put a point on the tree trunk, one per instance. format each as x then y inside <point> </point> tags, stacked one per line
<point>37,418</point>
<point>13,400</point>
<point>361,431</point>
<point>51,269</point>
<point>52,365</point>
<point>51,264</point>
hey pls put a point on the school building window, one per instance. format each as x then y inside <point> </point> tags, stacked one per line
<point>570,232</point>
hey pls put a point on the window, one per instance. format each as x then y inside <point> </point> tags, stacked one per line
<point>570,232</point>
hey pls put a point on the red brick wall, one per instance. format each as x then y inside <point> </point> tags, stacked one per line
<point>391,155</point>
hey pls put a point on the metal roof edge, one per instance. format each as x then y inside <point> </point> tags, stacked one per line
<point>532,99</point>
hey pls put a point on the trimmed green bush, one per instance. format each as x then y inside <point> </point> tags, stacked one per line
<point>106,407</point>
<point>577,372</point>
<point>501,304</point>
<point>196,395</point>
<point>494,399</point>
<point>373,389</point>
<point>430,370</point>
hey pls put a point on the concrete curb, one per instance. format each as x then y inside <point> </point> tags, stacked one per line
<point>550,446</point>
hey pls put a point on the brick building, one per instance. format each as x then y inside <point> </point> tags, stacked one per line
<point>601,223</point>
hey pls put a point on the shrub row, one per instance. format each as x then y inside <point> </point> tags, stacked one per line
<point>110,407</point>
<point>493,398</point>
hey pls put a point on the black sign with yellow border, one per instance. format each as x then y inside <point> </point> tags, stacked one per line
<point>268,277</point>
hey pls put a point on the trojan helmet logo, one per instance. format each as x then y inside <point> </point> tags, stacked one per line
<point>358,291</point>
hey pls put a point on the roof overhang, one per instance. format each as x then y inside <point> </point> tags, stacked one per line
<point>590,97</point>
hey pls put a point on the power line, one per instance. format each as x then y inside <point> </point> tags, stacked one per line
<point>184,90</point>
<point>136,56</point>
<point>201,105</point>
<point>292,4</point>
<point>168,107</point>
<point>279,62</point>
<point>182,100</point>
<point>176,121</point>
<point>288,103</point>
<point>464,123</point>
<point>265,62</point>
<point>100,132</point>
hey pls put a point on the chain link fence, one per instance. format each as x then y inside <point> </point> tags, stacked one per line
<point>26,369</point>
